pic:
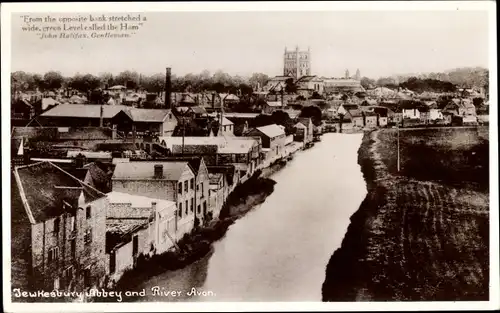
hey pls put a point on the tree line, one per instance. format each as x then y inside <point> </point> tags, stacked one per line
<point>459,77</point>
<point>219,82</point>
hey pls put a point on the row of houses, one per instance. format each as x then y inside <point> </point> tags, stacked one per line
<point>82,224</point>
<point>409,113</point>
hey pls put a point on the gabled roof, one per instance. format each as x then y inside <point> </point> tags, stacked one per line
<point>193,161</point>
<point>355,113</point>
<point>145,170</point>
<point>149,115</point>
<point>44,186</point>
<point>84,110</point>
<point>271,131</point>
<point>348,107</point>
<point>226,122</point>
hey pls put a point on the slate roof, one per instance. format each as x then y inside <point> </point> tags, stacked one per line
<point>348,107</point>
<point>37,184</point>
<point>193,161</point>
<point>148,115</point>
<point>271,131</point>
<point>84,110</point>
<point>195,149</point>
<point>145,170</point>
<point>237,147</point>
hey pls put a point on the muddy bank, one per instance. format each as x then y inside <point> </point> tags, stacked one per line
<point>345,278</point>
<point>412,239</point>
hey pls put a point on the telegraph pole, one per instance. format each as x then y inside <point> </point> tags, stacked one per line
<point>398,148</point>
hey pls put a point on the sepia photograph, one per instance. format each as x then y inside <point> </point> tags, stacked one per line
<point>332,156</point>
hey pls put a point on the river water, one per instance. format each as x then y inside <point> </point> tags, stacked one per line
<point>279,250</point>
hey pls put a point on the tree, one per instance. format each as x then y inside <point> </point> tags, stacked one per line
<point>53,80</point>
<point>154,83</point>
<point>246,89</point>
<point>290,86</point>
<point>85,83</point>
<point>21,81</point>
<point>106,79</point>
<point>386,82</point>
<point>312,112</point>
<point>258,79</point>
<point>128,79</point>
<point>367,82</point>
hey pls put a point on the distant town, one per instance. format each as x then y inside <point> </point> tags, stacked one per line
<point>111,169</point>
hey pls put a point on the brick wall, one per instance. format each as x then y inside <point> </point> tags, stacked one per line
<point>87,256</point>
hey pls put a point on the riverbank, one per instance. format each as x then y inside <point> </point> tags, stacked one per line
<point>198,244</point>
<point>420,234</point>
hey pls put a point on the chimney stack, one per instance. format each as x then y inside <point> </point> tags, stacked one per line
<point>168,89</point>
<point>158,171</point>
<point>101,117</point>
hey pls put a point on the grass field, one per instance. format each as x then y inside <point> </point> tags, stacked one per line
<point>421,233</point>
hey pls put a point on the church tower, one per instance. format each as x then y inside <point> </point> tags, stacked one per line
<point>358,75</point>
<point>297,63</point>
<point>347,75</point>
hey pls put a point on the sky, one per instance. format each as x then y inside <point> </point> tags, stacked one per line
<point>378,43</point>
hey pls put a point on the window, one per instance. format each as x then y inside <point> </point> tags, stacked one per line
<point>186,186</point>
<point>187,207</point>
<point>86,277</point>
<point>192,205</point>
<point>180,210</point>
<point>192,183</point>
<point>53,254</point>
<point>197,187</point>
<point>72,223</point>
<point>204,207</point>
<point>88,212</point>
<point>202,190</point>
<point>68,274</point>
<point>199,208</point>
<point>112,262</point>
<point>180,188</point>
<point>72,244</point>
<point>135,245</point>
<point>56,225</point>
<point>88,237</point>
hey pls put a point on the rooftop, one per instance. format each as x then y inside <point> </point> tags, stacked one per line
<point>84,110</point>
<point>271,131</point>
<point>45,186</point>
<point>137,201</point>
<point>145,170</point>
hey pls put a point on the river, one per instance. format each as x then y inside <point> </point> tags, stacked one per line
<point>279,250</point>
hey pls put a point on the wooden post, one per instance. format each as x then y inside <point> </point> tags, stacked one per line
<point>398,148</point>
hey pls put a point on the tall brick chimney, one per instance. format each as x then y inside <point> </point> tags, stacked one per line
<point>168,89</point>
<point>158,171</point>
